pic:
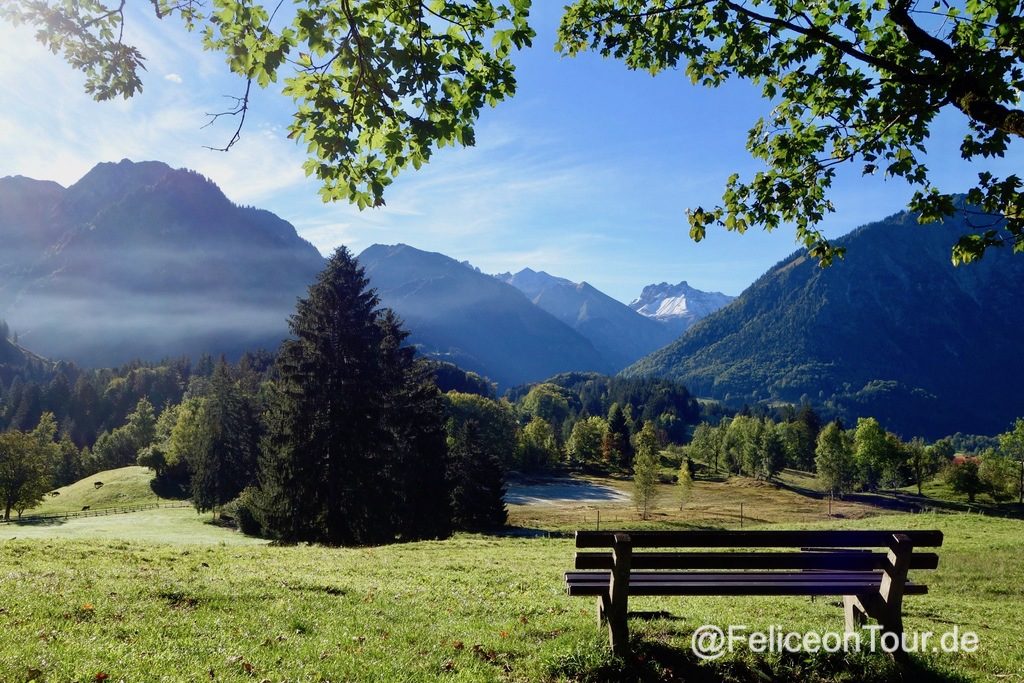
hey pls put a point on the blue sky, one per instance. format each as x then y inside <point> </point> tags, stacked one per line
<point>586,173</point>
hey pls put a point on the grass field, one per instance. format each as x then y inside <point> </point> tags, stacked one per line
<point>469,608</point>
<point>176,526</point>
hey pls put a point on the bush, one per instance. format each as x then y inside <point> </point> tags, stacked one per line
<point>998,475</point>
<point>963,478</point>
<point>245,511</point>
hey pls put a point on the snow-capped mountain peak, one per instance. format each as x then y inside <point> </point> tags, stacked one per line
<point>679,305</point>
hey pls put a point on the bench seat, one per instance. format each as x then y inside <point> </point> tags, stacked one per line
<point>736,583</point>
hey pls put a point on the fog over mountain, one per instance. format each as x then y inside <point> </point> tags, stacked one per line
<point>142,260</point>
<point>457,313</point>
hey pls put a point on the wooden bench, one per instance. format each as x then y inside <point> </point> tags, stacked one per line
<point>817,563</point>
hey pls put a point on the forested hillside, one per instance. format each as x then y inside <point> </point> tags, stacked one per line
<point>894,330</point>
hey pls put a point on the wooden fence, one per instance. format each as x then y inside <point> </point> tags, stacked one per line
<point>98,512</point>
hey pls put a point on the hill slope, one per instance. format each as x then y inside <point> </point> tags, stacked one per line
<point>142,260</point>
<point>894,331</point>
<point>459,314</point>
<point>619,333</point>
<point>121,487</point>
<point>18,362</point>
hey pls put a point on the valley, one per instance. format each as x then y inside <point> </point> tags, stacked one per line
<point>162,489</point>
<point>605,341</point>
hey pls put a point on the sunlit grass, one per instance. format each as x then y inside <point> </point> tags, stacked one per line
<point>121,487</point>
<point>469,608</point>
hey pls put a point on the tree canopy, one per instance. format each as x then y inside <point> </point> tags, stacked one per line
<point>378,85</point>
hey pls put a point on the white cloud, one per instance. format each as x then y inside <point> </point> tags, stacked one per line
<point>173,78</point>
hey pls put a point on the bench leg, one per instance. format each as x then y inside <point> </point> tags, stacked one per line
<point>855,617</point>
<point>618,632</point>
<point>885,606</point>
<point>617,607</point>
<point>894,579</point>
<point>602,608</point>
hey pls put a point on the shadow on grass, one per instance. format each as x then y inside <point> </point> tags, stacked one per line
<point>873,499</point>
<point>172,489</point>
<point>654,661</point>
<point>899,501</point>
<point>37,521</point>
<point>1008,510</point>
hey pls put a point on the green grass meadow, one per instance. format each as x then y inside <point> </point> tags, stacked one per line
<point>120,487</point>
<point>80,607</point>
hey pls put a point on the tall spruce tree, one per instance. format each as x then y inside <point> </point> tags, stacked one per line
<point>477,479</point>
<point>355,451</point>
<point>412,410</point>
<point>618,446</point>
<point>226,460</point>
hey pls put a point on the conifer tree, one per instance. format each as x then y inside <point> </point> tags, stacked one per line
<point>415,440</point>
<point>69,468</point>
<point>29,409</point>
<point>477,480</point>
<point>225,462</point>
<point>353,427</point>
<point>618,443</point>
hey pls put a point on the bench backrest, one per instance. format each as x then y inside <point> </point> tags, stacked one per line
<point>758,539</point>
<point>818,550</point>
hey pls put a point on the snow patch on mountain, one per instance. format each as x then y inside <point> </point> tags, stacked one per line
<point>678,305</point>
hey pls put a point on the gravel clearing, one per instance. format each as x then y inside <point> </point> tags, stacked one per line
<point>541,490</point>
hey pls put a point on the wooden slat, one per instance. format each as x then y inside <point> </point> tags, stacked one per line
<point>743,588</point>
<point>855,560</point>
<point>728,577</point>
<point>758,539</point>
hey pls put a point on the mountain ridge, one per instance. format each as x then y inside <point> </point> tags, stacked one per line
<point>139,260</point>
<point>456,313</point>
<point>619,333</point>
<point>678,306</point>
<point>893,330</point>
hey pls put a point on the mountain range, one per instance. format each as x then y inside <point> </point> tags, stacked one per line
<point>893,330</point>
<point>139,260</point>
<point>619,333</point>
<point>456,313</point>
